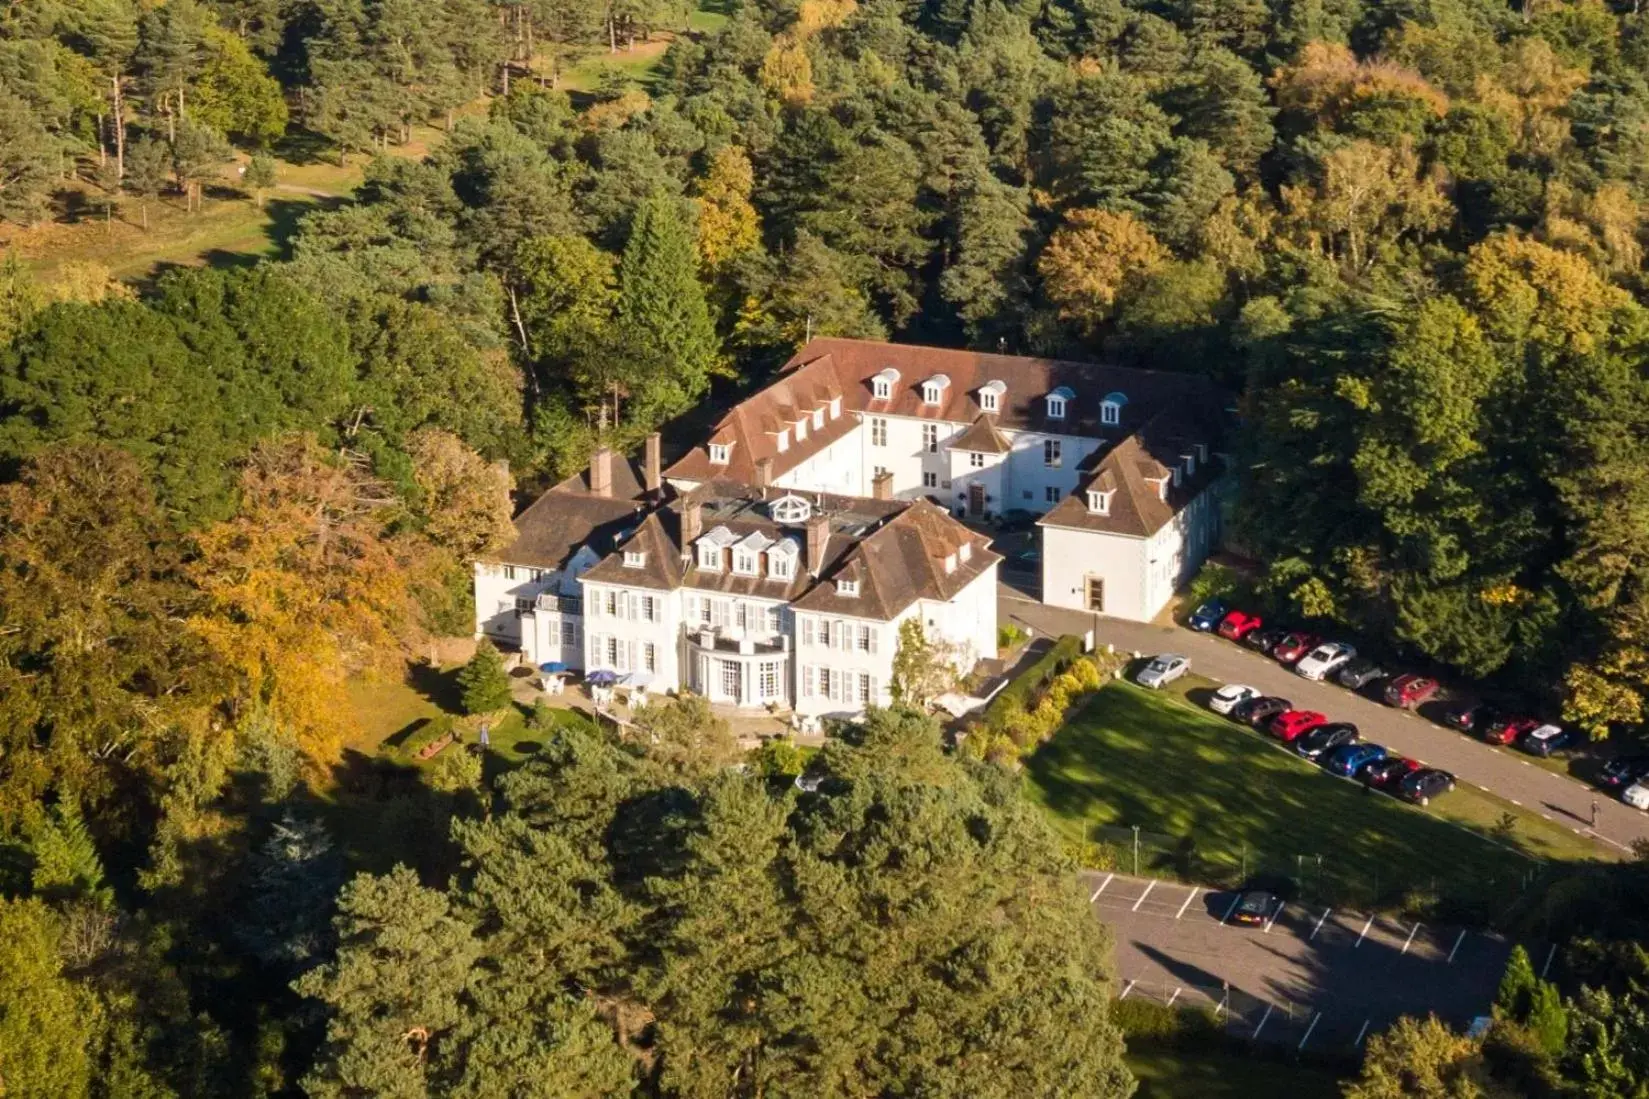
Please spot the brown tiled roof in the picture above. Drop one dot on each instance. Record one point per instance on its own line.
(847, 366)
(901, 562)
(982, 436)
(553, 527)
(1126, 471)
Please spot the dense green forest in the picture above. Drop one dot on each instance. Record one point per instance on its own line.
(1409, 236)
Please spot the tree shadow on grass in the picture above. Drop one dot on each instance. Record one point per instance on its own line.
(436, 686)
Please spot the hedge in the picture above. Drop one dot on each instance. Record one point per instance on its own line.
(1148, 1022)
(1019, 694)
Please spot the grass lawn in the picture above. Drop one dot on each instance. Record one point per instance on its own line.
(1136, 757)
(1181, 1074)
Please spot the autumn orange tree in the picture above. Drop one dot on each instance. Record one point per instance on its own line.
(302, 587)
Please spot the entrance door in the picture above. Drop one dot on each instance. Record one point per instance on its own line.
(976, 500)
(1096, 594)
(732, 681)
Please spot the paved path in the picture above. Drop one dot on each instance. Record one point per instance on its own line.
(1503, 771)
(1313, 976)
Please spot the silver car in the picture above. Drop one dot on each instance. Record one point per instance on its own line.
(1163, 670)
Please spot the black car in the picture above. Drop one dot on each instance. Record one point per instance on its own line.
(1622, 771)
(1264, 640)
(1384, 774)
(1015, 519)
(1325, 738)
(1469, 717)
(1254, 907)
(1260, 711)
(1425, 784)
(1359, 673)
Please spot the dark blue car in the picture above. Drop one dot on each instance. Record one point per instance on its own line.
(1349, 759)
(1207, 616)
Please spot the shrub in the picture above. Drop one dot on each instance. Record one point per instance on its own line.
(1217, 581)
(426, 734)
(1008, 636)
(1148, 1022)
(484, 682)
(778, 758)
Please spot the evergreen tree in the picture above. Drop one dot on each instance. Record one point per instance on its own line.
(663, 313)
(484, 683)
(294, 880)
(66, 863)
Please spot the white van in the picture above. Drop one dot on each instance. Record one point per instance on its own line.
(1636, 795)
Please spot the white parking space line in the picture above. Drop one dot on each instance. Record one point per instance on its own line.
(1101, 888)
(1410, 939)
(1319, 926)
(1187, 904)
(1263, 1019)
(1308, 1031)
(1127, 989)
(1359, 1039)
(1273, 921)
(1456, 947)
(1232, 909)
(1175, 996)
(1362, 933)
(1150, 885)
(1550, 954)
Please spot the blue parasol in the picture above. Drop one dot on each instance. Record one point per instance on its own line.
(552, 666)
(601, 678)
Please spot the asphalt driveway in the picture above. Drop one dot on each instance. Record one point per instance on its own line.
(1503, 771)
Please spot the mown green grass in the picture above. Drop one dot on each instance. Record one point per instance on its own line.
(1182, 1074)
(1155, 760)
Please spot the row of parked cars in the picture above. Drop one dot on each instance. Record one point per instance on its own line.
(1318, 659)
(1335, 745)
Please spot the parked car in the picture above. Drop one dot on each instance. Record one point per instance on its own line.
(1239, 624)
(1350, 759)
(1293, 647)
(1636, 795)
(1259, 712)
(1254, 907)
(1547, 739)
(1290, 725)
(1163, 670)
(1266, 639)
(1232, 695)
(1622, 771)
(1408, 691)
(1207, 616)
(1509, 730)
(1324, 660)
(1358, 673)
(1325, 738)
(1385, 774)
(1016, 519)
(1423, 785)
(1469, 717)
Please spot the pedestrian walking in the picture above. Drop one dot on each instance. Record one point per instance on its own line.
(1594, 814)
(486, 739)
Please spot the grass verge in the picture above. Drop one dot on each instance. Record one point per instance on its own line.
(1217, 802)
(1214, 1074)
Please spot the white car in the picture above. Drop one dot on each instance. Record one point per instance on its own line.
(1636, 795)
(1230, 696)
(1325, 660)
(1163, 670)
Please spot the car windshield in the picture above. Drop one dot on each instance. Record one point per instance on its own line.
(1208, 610)
(1159, 665)
(1255, 902)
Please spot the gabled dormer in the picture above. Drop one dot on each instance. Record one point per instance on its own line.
(1059, 402)
(1099, 500)
(991, 394)
(721, 451)
(882, 383)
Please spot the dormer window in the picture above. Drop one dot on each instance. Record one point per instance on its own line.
(950, 563)
(781, 560)
(1202, 453)
(933, 390)
(1110, 408)
(709, 557)
(635, 559)
(1099, 502)
(966, 551)
(801, 430)
(990, 396)
(881, 385)
(1174, 473)
(847, 589)
(719, 453)
(745, 563)
(1058, 400)
(1189, 461)
(818, 418)
(784, 440)
(835, 408)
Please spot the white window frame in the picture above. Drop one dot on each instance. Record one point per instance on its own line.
(781, 566)
(930, 480)
(784, 440)
(1099, 502)
(931, 394)
(818, 418)
(1053, 453)
(987, 400)
(976, 460)
(720, 453)
(1056, 408)
(1050, 494)
(1110, 413)
(930, 438)
(878, 431)
(881, 388)
(745, 563)
(801, 429)
(709, 557)
(847, 589)
(635, 559)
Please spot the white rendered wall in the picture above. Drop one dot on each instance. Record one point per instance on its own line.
(665, 633)
(1070, 556)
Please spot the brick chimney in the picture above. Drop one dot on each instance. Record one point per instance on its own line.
(881, 485)
(692, 522)
(653, 464)
(818, 534)
(764, 474)
(601, 472)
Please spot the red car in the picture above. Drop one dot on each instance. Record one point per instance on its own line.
(1509, 730)
(1291, 648)
(1388, 773)
(1290, 725)
(1239, 624)
(1408, 691)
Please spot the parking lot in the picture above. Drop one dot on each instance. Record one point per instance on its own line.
(1311, 977)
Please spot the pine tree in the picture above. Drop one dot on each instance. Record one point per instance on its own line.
(66, 863)
(294, 879)
(484, 682)
(663, 313)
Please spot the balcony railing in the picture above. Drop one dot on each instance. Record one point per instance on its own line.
(734, 641)
(565, 604)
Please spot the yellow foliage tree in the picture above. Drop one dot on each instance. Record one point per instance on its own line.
(816, 15)
(787, 71)
(1364, 194)
(1092, 258)
(466, 499)
(1327, 80)
(1529, 92)
(1422, 1059)
(1533, 291)
(728, 225)
(301, 588)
